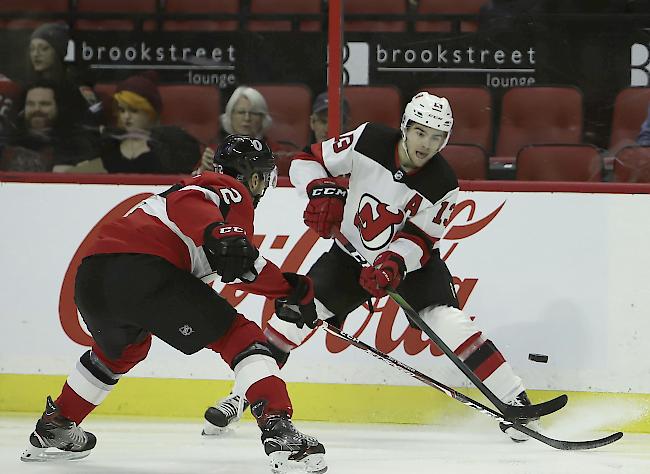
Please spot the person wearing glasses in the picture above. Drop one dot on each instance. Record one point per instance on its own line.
(247, 113)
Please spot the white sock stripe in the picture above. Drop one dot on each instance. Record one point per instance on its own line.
(90, 377)
(505, 384)
(253, 369)
(88, 386)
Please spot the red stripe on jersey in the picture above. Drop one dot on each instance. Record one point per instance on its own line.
(278, 339)
(417, 240)
(316, 155)
(488, 367)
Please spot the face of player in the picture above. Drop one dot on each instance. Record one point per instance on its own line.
(40, 108)
(246, 121)
(133, 119)
(41, 54)
(259, 183)
(422, 143)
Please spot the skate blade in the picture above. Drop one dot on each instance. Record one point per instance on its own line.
(212, 431)
(312, 463)
(34, 454)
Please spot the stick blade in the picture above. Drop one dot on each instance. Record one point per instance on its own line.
(582, 445)
(537, 410)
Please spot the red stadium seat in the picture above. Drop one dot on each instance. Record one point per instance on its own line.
(472, 110)
(448, 7)
(468, 161)
(194, 108)
(290, 107)
(375, 7)
(9, 89)
(285, 7)
(206, 7)
(23, 8)
(537, 115)
(632, 165)
(630, 110)
(381, 104)
(122, 7)
(571, 162)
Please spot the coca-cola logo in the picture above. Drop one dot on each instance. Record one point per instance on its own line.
(462, 225)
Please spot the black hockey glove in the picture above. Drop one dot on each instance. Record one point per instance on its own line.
(298, 306)
(229, 252)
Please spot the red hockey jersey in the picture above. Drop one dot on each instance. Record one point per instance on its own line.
(171, 225)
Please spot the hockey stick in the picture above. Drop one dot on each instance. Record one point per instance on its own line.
(555, 443)
(509, 411)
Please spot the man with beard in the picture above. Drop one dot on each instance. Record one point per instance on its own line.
(46, 134)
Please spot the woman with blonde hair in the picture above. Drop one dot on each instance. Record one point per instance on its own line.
(140, 144)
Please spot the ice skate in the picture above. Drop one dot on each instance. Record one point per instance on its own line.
(288, 449)
(532, 423)
(56, 438)
(225, 413)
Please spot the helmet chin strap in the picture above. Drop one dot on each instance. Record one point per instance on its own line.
(406, 150)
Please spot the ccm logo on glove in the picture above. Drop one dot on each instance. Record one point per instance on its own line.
(230, 253)
(324, 212)
(226, 230)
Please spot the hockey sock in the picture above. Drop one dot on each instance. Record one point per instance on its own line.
(269, 396)
(257, 377)
(93, 378)
(86, 387)
(481, 355)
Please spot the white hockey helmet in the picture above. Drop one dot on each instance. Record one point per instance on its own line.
(428, 110)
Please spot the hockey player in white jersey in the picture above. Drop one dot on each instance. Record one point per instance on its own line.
(394, 210)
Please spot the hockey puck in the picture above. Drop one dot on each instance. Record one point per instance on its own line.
(538, 358)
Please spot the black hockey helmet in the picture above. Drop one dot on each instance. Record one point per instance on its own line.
(241, 156)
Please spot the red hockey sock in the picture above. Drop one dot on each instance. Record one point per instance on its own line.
(273, 392)
(72, 406)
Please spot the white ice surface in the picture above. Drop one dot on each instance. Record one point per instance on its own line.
(476, 445)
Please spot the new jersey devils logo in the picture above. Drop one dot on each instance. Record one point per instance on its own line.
(376, 223)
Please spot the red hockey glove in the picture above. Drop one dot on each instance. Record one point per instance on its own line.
(298, 306)
(387, 271)
(229, 251)
(325, 209)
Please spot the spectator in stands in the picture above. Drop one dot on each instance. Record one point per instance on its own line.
(247, 113)
(318, 123)
(644, 135)
(47, 135)
(139, 144)
(46, 60)
(318, 120)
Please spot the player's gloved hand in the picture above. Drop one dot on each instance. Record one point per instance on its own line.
(324, 212)
(298, 306)
(229, 252)
(387, 271)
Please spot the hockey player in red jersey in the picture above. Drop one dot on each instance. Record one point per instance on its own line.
(400, 196)
(148, 273)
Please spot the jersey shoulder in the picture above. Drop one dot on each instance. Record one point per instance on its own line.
(434, 180)
(218, 183)
(378, 142)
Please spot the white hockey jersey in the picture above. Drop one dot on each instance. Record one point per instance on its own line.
(386, 208)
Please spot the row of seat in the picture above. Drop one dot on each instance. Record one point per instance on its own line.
(556, 120)
(389, 15)
(578, 162)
